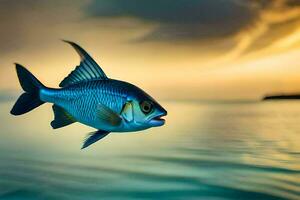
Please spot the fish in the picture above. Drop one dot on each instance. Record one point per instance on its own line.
(89, 97)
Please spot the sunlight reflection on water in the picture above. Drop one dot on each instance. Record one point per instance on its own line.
(205, 151)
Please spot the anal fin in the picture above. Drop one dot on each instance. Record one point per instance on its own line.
(61, 117)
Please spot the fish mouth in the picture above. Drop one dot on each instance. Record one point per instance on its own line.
(158, 120)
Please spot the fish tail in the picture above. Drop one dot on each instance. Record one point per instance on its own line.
(30, 99)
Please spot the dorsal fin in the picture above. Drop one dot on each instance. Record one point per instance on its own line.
(87, 70)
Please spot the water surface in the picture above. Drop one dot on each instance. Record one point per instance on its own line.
(205, 151)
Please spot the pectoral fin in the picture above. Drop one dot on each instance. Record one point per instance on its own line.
(94, 137)
(108, 116)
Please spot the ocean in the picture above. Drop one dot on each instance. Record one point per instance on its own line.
(209, 151)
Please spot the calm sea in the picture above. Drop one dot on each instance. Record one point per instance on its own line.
(205, 151)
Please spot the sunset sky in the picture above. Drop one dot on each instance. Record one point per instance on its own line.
(174, 49)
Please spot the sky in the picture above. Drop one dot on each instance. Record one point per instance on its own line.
(173, 49)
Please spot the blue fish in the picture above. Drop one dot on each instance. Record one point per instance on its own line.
(88, 96)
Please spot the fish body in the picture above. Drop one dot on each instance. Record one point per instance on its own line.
(82, 100)
(88, 96)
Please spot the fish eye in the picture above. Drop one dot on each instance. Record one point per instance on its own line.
(146, 107)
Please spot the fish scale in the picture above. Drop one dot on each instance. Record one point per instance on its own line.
(81, 100)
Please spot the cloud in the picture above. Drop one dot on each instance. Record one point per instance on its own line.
(28, 23)
(181, 19)
(272, 25)
(293, 3)
(247, 24)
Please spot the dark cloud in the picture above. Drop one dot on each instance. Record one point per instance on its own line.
(293, 3)
(181, 19)
(269, 3)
